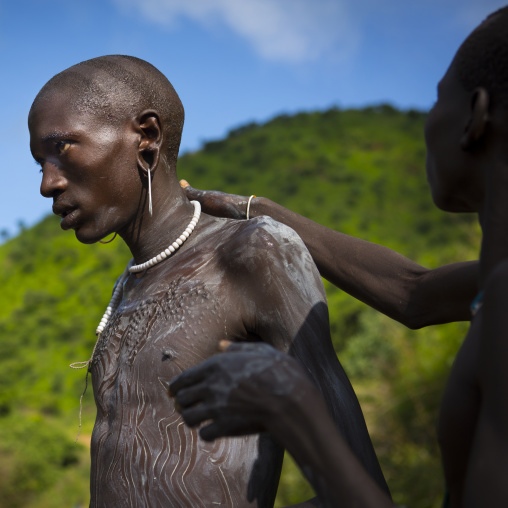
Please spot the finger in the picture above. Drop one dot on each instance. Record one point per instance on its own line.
(212, 431)
(190, 377)
(224, 344)
(229, 427)
(190, 192)
(248, 347)
(195, 415)
(189, 396)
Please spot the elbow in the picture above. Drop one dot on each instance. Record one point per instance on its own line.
(414, 322)
(407, 310)
(422, 315)
(418, 315)
(420, 309)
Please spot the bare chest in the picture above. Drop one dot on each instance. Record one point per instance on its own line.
(169, 319)
(159, 330)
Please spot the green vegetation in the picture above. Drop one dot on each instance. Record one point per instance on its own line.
(358, 171)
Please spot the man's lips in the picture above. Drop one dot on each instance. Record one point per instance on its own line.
(67, 213)
(62, 209)
(70, 219)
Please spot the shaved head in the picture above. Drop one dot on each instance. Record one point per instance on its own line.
(115, 88)
(482, 60)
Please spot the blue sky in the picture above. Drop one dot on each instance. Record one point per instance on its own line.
(231, 61)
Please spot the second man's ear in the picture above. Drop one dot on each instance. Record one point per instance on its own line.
(478, 120)
(149, 126)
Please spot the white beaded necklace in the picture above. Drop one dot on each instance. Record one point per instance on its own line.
(117, 293)
(174, 246)
(147, 264)
(131, 268)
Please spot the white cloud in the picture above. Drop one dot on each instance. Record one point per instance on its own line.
(293, 31)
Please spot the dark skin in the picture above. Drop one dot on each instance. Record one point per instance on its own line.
(467, 168)
(232, 280)
(380, 277)
(225, 393)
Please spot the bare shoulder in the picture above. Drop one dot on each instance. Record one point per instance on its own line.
(272, 270)
(274, 280)
(262, 243)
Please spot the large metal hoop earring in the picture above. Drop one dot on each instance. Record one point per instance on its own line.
(108, 241)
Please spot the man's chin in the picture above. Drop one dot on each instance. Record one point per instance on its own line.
(86, 237)
(453, 204)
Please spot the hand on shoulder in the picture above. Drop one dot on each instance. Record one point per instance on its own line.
(216, 203)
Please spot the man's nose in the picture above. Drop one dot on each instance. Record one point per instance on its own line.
(53, 180)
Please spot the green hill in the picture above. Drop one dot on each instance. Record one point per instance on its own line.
(358, 171)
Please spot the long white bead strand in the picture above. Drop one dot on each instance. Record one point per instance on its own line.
(113, 304)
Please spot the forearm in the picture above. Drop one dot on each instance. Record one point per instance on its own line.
(381, 277)
(305, 428)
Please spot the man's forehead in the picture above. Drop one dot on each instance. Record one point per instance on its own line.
(51, 107)
(57, 116)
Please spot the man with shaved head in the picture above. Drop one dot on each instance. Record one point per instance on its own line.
(106, 134)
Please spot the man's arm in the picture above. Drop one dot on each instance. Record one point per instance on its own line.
(282, 300)
(485, 483)
(376, 275)
(253, 388)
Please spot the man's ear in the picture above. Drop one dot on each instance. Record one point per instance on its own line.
(149, 126)
(478, 120)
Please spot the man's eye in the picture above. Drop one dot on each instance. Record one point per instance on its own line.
(62, 147)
